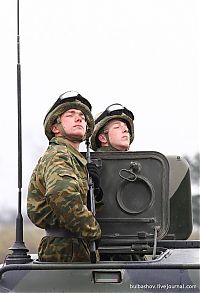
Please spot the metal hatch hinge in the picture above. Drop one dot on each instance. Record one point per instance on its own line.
(156, 229)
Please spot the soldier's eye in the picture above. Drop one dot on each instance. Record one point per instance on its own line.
(83, 117)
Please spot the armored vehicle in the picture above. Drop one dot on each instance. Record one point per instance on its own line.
(146, 221)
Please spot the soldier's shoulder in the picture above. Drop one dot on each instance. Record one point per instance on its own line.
(56, 152)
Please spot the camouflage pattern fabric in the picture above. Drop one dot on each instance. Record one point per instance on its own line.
(57, 196)
(107, 149)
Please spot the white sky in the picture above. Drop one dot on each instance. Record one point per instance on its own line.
(144, 54)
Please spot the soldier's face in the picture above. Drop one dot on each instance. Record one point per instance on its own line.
(118, 134)
(73, 122)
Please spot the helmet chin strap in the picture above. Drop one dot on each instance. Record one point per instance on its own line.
(70, 137)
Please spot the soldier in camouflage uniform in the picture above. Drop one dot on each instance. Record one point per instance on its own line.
(114, 129)
(57, 193)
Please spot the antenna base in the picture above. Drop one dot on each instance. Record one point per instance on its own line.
(19, 254)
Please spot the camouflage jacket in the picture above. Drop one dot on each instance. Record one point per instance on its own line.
(57, 193)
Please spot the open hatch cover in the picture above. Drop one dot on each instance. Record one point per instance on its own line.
(136, 196)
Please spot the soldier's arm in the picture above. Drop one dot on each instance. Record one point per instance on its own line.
(63, 195)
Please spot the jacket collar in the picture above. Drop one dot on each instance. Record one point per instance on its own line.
(62, 141)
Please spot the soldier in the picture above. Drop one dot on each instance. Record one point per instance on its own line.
(114, 129)
(57, 193)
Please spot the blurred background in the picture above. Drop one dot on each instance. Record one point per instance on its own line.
(144, 54)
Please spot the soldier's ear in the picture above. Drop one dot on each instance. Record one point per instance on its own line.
(55, 128)
(102, 138)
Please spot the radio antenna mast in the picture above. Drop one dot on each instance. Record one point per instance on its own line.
(19, 250)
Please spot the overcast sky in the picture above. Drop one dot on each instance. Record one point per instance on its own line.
(144, 54)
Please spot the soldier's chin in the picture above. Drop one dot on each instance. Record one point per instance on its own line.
(126, 144)
(123, 146)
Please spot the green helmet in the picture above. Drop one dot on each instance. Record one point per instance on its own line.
(66, 101)
(114, 111)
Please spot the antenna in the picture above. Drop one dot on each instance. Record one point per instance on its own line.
(93, 255)
(19, 254)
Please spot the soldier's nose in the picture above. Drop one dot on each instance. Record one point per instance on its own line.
(125, 129)
(78, 118)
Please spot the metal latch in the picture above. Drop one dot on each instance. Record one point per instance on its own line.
(156, 229)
